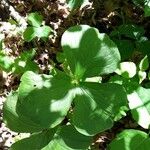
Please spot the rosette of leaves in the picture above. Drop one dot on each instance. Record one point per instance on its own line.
(35, 28)
(42, 102)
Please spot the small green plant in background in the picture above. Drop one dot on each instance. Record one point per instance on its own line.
(18, 65)
(145, 4)
(35, 28)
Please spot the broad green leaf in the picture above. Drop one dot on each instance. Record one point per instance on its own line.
(29, 33)
(144, 64)
(74, 4)
(131, 140)
(43, 31)
(66, 138)
(126, 69)
(96, 106)
(35, 19)
(139, 103)
(35, 142)
(88, 52)
(44, 99)
(13, 120)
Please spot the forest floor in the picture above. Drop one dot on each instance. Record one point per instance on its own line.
(105, 16)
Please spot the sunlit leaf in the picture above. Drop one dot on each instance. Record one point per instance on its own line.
(88, 52)
(139, 103)
(144, 64)
(44, 99)
(35, 19)
(6, 62)
(74, 4)
(126, 69)
(131, 140)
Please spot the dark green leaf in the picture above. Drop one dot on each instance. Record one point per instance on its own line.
(125, 47)
(96, 105)
(129, 30)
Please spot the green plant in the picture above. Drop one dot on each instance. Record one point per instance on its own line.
(18, 65)
(131, 139)
(35, 28)
(63, 110)
(138, 96)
